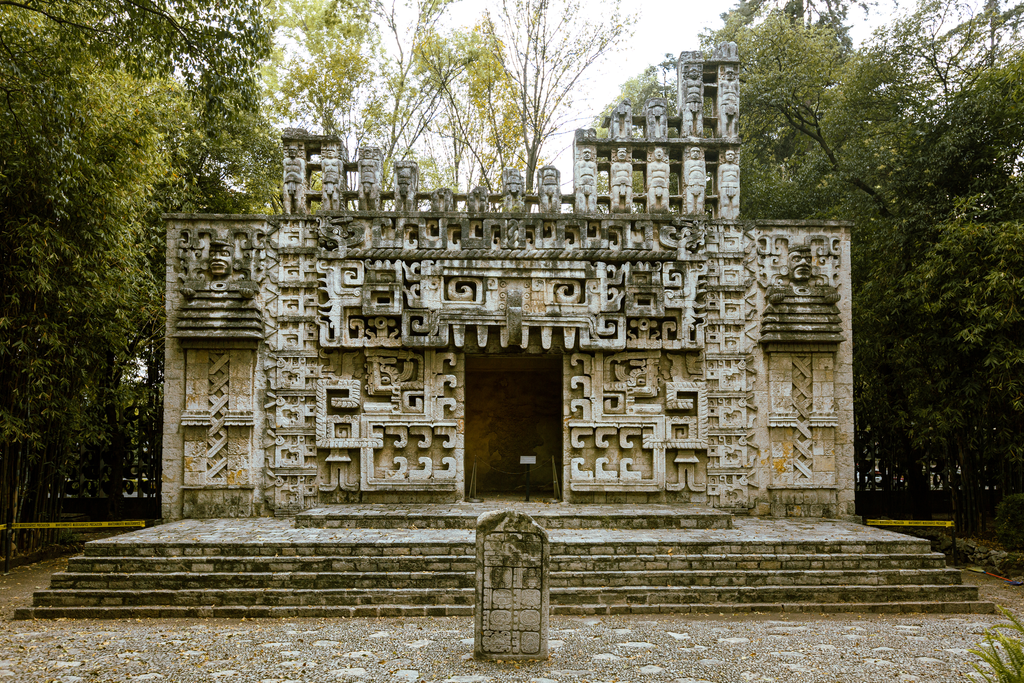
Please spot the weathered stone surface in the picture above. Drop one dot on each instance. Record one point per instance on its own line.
(512, 587)
(320, 356)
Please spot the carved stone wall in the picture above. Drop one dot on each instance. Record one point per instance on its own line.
(672, 388)
(319, 356)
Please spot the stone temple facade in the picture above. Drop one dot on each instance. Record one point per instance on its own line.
(635, 337)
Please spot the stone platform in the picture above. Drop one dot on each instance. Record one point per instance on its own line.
(397, 565)
(559, 516)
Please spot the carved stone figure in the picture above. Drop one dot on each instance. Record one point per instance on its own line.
(729, 103)
(549, 189)
(219, 302)
(333, 167)
(479, 200)
(622, 181)
(798, 309)
(407, 184)
(657, 118)
(696, 181)
(442, 199)
(369, 178)
(220, 260)
(726, 52)
(622, 121)
(294, 180)
(692, 111)
(657, 181)
(729, 186)
(512, 189)
(585, 180)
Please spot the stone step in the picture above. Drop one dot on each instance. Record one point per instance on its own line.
(753, 577)
(464, 516)
(662, 597)
(580, 563)
(242, 597)
(139, 581)
(679, 545)
(312, 563)
(242, 611)
(266, 567)
(378, 548)
(682, 595)
(565, 543)
(926, 607)
(466, 563)
(399, 611)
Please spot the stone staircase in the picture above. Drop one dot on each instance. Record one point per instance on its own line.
(421, 562)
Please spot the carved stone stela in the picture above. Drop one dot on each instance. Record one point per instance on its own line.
(319, 356)
(512, 592)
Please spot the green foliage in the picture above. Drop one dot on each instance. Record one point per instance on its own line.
(545, 49)
(655, 81)
(113, 112)
(1010, 522)
(477, 126)
(361, 70)
(322, 71)
(918, 137)
(1003, 652)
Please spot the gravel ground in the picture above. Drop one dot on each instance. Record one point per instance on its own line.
(719, 649)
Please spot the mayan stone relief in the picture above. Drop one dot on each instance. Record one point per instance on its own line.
(320, 356)
(512, 587)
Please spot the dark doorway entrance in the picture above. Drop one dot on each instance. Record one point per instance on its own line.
(513, 409)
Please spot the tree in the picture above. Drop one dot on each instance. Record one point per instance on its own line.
(477, 121)
(322, 72)
(357, 70)
(657, 80)
(917, 136)
(90, 88)
(546, 48)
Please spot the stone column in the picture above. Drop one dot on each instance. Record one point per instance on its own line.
(512, 563)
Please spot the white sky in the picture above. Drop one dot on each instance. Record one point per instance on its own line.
(663, 26)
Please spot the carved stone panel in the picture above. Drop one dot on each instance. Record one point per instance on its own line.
(512, 587)
(803, 420)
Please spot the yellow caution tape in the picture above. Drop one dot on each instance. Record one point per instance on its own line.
(908, 522)
(74, 525)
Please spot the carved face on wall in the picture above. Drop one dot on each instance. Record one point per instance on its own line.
(694, 153)
(622, 155)
(330, 153)
(548, 177)
(585, 155)
(659, 154)
(514, 184)
(800, 264)
(693, 74)
(730, 157)
(730, 75)
(220, 259)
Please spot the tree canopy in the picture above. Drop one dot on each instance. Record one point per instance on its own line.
(917, 136)
(114, 110)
